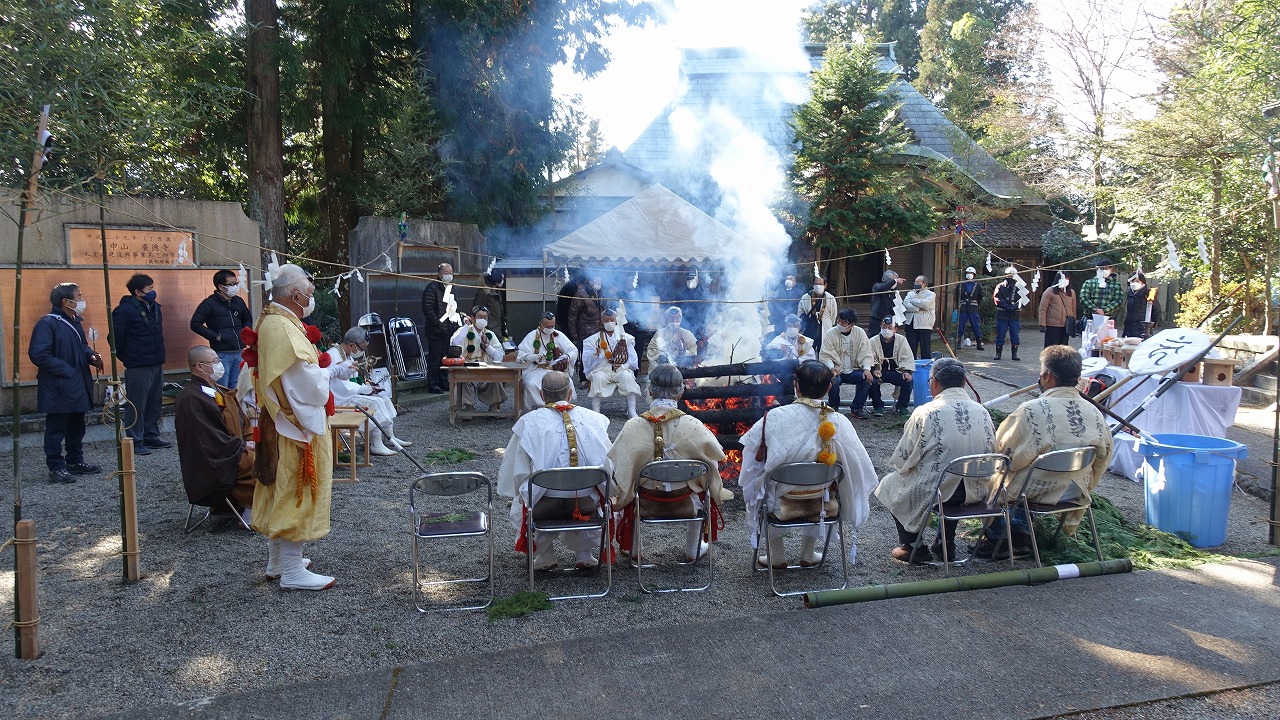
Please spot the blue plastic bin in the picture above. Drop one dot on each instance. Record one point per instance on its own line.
(920, 389)
(1188, 485)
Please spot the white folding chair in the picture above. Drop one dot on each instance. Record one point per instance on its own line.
(804, 475)
(672, 478)
(578, 480)
(454, 524)
(1070, 460)
(984, 465)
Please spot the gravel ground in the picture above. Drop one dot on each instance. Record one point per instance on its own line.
(204, 622)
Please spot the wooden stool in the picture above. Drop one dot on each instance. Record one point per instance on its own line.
(348, 424)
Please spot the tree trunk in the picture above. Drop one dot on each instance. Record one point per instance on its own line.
(265, 136)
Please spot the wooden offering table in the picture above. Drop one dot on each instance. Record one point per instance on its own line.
(506, 372)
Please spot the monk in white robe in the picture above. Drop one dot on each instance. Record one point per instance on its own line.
(666, 433)
(342, 373)
(1057, 420)
(951, 425)
(295, 456)
(544, 349)
(790, 434)
(480, 344)
(791, 343)
(672, 343)
(610, 362)
(541, 440)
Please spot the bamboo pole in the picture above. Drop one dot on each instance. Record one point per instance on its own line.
(129, 512)
(1030, 576)
(129, 565)
(26, 624)
(28, 199)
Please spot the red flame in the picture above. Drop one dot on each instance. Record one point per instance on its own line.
(731, 466)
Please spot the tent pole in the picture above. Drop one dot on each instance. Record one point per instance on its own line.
(544, 281)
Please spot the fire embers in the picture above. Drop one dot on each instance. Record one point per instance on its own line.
(729, 411)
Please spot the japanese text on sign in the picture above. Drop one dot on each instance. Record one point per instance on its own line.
(148, 247)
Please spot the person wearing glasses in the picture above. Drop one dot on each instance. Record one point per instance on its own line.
(220, 318)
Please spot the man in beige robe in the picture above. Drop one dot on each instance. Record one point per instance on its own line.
(1057, 420)
(672, 343)
(666, 433)
(295, 458)
(951, 425)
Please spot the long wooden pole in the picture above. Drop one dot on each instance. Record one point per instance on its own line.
(124, 458)
(28, 199)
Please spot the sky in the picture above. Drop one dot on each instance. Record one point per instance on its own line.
(644, 73)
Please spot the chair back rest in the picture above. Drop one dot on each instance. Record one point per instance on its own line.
(1058, 461)
(449, 484)
(806, 473)
(674, 471)
(982, 465)
(569, 478)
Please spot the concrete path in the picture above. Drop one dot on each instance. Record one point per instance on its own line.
(1090, 643)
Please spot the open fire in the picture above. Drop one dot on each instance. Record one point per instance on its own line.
(729, 411)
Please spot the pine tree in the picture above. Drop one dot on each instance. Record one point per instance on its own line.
(847, 136)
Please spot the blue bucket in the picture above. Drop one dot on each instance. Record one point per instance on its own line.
(920, 390)
(1188, 485)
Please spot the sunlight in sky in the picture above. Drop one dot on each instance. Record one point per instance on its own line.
(644, 73)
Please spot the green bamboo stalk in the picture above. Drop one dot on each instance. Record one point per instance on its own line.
(1030, 576)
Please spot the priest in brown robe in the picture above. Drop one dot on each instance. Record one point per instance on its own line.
(214, 450)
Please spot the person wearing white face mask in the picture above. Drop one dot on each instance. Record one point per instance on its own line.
(479, 344)
(791, 343)
(215, 446)
(609, 359)
(1140, 298)
(786, 301)
(64, 382)
(891, 362)
(817, 310)
(295, 454)
(1102, 294)
(220, 318)
(1058, 312)
(437, 326)
(543, 350)
(672, 343)
(969, 307)
(347, 391)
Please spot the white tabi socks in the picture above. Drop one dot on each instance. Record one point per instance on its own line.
(296, 576)
(274, 566)
(395, 441)
(809, 555)
(595, 403)
(696, 547)
(376, 445)
(631, 406)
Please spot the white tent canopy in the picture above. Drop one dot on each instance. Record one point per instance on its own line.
(654, 226)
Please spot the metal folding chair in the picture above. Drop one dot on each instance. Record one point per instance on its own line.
(671, 476)
(1058, 461)
(406, 348)
(811, 475)
(571, 479)
(984, 465)
(190, 527)
(444, 525)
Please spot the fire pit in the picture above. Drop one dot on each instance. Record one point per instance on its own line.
(730, 409)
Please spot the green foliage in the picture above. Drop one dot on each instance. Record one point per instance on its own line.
(847, 136)
(138, 90)
(519, 605)
(899, 21)
(1146, 546)
(449, 456)
(1251, 301)
(1064, 248)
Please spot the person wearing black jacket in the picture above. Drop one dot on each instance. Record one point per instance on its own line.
(219, 319)
(882, 300)
(64, 382)
(436, 328)
(139, 343)
(969, 307)
(1005, 297)
(1135, 313)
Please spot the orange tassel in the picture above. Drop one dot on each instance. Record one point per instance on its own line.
(308, 472)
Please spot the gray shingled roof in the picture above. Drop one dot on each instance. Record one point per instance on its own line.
(724, 87)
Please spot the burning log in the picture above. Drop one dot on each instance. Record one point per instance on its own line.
(748, 415)
(730, 442)
(783, 369)
(737, 391)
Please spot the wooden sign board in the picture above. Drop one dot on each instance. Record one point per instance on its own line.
(131, 247)
(179, 292)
